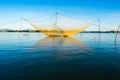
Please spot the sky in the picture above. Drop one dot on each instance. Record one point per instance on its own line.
(108, 11)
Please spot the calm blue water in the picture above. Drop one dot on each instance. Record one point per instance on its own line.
(33, 56)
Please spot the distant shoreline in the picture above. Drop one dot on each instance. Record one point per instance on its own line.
(39, 31)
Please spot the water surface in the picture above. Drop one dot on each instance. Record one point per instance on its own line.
(33, 56)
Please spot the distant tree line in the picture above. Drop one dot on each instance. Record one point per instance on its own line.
(6, 30)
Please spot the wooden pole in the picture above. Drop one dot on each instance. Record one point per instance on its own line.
(56, 16)
(99, 32)
(20, 30)
(117, 34)
(56, 20)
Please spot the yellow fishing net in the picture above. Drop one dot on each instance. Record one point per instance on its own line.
(60, 25)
